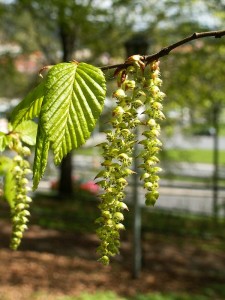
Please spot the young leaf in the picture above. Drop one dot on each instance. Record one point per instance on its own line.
(74, 99)
(29, 107)
(41, 156)
(27, 131)
(3, 141)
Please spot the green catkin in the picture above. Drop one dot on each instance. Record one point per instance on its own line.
(151, 144)
(20, 210)
(117, 154)
(138, 89)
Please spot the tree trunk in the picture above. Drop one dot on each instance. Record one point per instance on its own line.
(65, 180)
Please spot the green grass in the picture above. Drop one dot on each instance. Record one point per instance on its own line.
(193, 155)
(109, 295)
(153, 296)
(96, 296)
(178, 155)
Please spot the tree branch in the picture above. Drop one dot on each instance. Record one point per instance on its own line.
(165, 51)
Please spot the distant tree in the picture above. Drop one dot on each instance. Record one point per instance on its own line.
(63, 26)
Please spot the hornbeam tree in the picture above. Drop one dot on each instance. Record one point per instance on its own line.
(68, 102)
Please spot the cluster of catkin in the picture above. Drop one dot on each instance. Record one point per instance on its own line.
(21, 202)
(138, 89)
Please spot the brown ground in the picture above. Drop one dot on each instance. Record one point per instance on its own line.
(57, 263)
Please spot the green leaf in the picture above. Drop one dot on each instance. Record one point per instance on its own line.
(73, 101)
(3, 141)
(27, 131)
(41, 156)
(30, 106)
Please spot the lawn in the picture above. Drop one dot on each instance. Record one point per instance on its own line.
(113, 296)
(178, 155)
(193, 156)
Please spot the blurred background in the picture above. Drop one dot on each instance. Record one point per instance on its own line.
(175, 250)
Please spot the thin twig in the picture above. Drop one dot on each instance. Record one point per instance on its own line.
(165, 51)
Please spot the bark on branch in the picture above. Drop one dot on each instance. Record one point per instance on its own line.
(166, 50)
